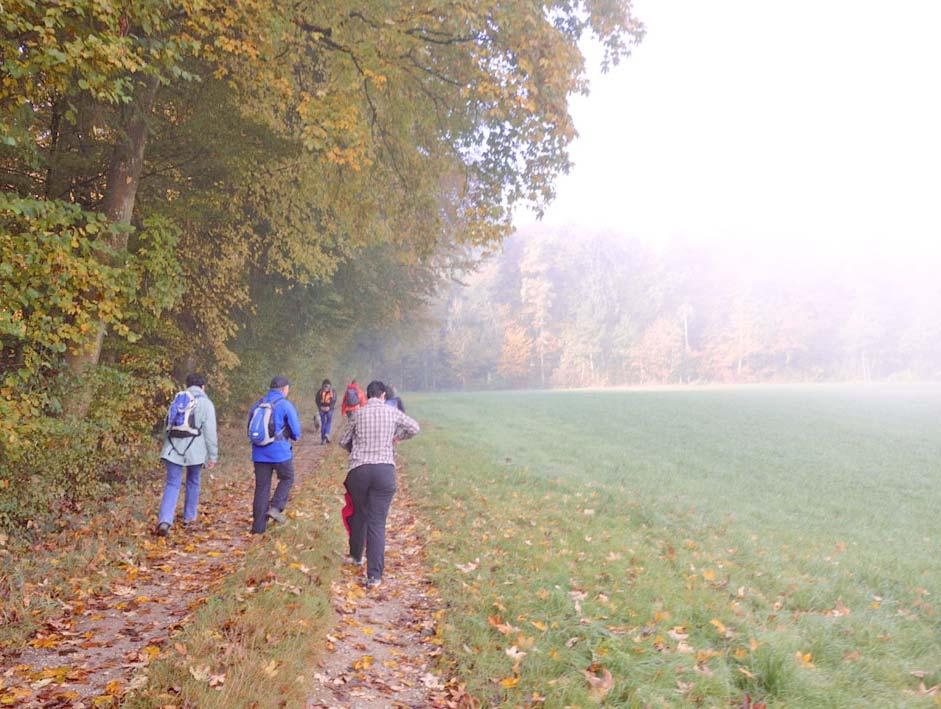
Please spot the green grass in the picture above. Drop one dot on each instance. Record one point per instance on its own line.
(748, 519)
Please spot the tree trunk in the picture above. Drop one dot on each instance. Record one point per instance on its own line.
(542, 360)
(127, 162)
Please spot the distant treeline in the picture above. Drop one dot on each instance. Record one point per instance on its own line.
(562, 308)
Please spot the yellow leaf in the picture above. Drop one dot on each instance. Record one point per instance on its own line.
(509, 682)
(114, 688)
(150, 652)
(363, 663)
(15, 696)
(271, 669)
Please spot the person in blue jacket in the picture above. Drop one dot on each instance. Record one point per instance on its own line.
(274, 457)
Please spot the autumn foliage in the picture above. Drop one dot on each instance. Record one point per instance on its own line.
(209, 185)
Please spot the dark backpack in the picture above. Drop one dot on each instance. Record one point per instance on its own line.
(351, 397)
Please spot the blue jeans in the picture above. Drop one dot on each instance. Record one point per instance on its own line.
(171, 491)
(326, 420)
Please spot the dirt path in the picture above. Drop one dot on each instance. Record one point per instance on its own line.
(384, 649)
(96, 647)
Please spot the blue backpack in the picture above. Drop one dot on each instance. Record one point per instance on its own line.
(261, 425)
(181, 416)
(181, 419)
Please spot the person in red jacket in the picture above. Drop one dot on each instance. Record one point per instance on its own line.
(353, 398)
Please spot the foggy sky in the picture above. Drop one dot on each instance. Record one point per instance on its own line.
(812, 121)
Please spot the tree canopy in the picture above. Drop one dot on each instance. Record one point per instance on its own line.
(190, 183)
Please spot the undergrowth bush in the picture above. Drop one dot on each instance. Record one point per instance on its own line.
(66, 460)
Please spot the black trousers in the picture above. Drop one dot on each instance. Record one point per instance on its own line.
(372, 488)
(261, 503)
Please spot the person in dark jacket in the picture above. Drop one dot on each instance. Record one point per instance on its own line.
(393, 398)
(276, 457)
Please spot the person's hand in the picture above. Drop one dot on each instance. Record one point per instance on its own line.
(211, 464)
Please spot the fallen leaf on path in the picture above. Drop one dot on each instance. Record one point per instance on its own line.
(678, 633)
(363, 663)
(804, 659)
(501, 627)
(114, 688)
(924, 691)
(720, 628)
(200, 674)
(469, 566)
(431, 681)
(600, 681)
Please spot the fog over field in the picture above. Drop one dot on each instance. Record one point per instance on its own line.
(753, 197)
(565, 307)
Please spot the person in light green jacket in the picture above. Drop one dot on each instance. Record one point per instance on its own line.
(189, 441)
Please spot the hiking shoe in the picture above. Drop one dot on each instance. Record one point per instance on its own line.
(373, 583)
(354, 561)
(163, 529)
(189, 524)
(277, 515)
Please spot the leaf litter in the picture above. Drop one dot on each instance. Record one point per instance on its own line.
(385, 648)
(99, 648)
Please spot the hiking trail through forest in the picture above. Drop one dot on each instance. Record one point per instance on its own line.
(384, 649)
(96, 648)
(381, 653)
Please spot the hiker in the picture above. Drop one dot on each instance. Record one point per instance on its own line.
(370, 481)
(272, 425)
(189, 441)
(353, 398)
(326, 403)
(393, 399)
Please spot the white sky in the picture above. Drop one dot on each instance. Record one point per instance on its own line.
(810, 120)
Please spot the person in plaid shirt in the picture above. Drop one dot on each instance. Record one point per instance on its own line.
(370, 482)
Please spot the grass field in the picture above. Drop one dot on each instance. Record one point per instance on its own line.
(699, 545)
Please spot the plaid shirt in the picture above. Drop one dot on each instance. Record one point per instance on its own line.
(369, 436)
